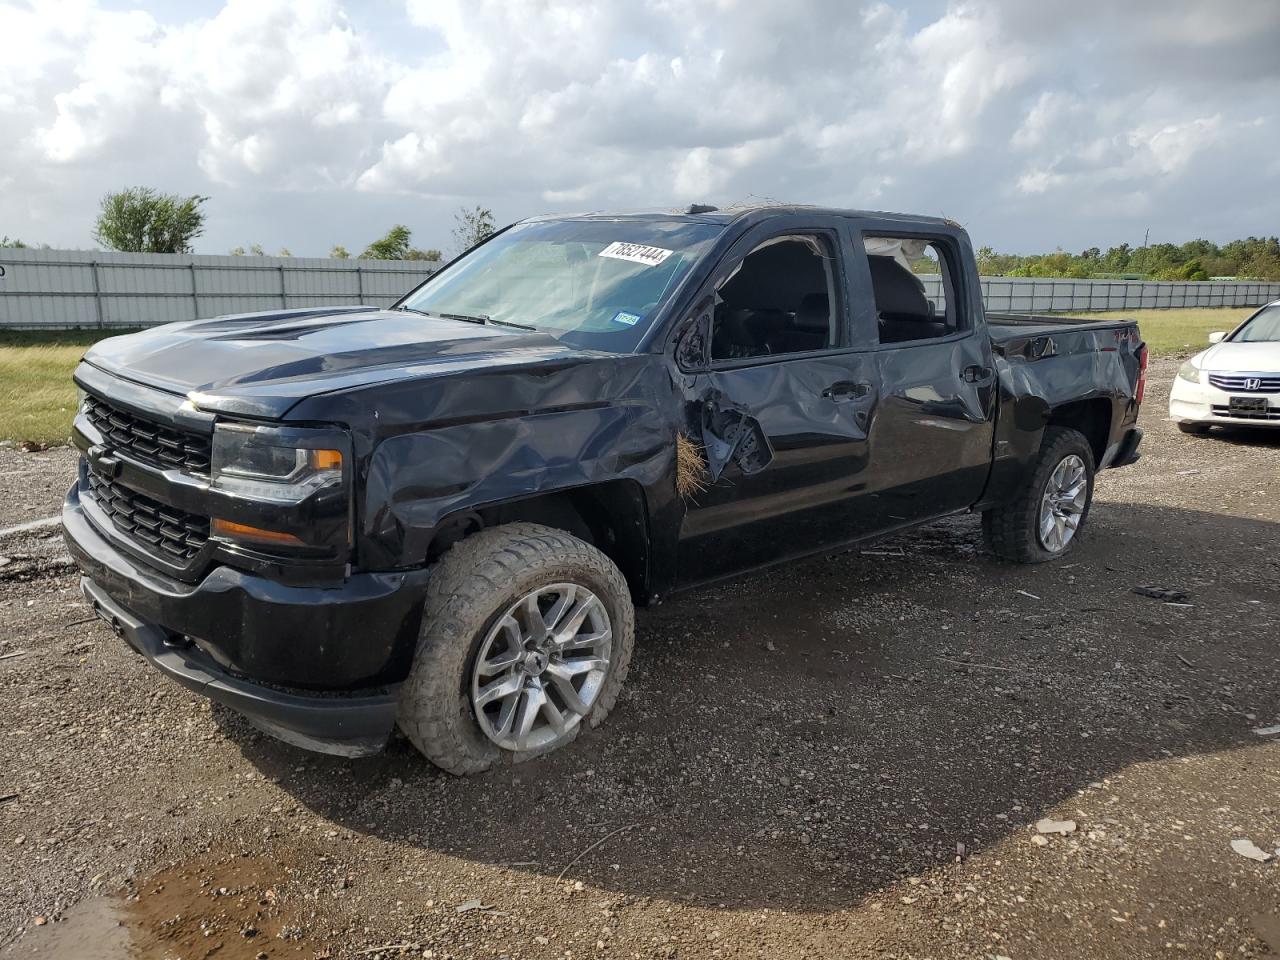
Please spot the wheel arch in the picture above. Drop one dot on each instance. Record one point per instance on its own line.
(1091, 417)
(611, 515)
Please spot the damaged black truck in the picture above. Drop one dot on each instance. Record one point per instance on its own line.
(439, 516)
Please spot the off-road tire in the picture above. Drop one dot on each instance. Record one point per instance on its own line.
(469, 588)
(1010, 530)
(1196, 428)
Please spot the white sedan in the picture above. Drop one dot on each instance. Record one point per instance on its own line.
(1235, 381)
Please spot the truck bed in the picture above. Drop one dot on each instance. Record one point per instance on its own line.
(1009, 326)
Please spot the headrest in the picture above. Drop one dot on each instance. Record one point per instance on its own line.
(814, 312)
(769, 277)
(898, 291)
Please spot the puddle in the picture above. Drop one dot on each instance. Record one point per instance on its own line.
(93, 930)
(229, 907)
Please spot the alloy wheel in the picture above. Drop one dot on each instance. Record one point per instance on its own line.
(541, 667)
(1063, 503)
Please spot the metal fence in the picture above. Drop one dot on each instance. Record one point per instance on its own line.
(62, 289)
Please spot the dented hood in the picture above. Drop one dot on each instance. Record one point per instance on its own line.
(262, 364)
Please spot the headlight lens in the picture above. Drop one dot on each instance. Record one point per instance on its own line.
(267, 463)
(1189, 372)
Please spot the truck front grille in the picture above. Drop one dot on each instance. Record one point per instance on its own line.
(147, 441)
(164, 530)
(1246, 382)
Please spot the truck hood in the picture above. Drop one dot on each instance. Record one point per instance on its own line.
(262, 364)
(1260, 357)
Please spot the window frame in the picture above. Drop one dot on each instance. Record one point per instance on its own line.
(743, 247)
(947, 246)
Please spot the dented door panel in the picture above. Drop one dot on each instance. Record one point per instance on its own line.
(931, 439)
(786, 456)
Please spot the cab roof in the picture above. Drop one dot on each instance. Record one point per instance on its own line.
(754, 213)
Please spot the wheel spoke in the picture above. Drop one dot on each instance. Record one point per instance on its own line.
(530, 707)
(563, 682)
(563, 602)
(505, 687)
(1046, 523)
(554, 716)
(573, 622)
(585, 641)
(572, 668)
(506, 715)
(535, 626)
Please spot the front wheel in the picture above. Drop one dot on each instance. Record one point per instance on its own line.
(1044, 520)
(1196, 428)
(526, 636)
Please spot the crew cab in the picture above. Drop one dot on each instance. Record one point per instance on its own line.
(440, 516)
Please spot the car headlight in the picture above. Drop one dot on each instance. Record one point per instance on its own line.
(1189, 372)
(279, 464)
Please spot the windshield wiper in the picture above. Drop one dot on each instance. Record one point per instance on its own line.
(481, 318)
(486, 319)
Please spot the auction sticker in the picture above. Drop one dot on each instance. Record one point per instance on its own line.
(636, 253)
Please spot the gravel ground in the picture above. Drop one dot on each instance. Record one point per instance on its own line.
(845, 757)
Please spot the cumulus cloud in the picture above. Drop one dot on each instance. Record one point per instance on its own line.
(1031, 127)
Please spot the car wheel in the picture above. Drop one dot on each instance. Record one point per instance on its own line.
(1044, 520)
(526, 638)
(1196, 428)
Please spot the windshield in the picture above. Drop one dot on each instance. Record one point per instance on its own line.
(1264, 327)
(596, 284)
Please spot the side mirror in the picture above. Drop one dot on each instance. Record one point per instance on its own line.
(1217, 336)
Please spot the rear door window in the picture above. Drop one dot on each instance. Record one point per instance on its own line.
(913, 285)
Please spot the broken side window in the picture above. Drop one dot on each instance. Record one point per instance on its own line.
(779, 300)
(913, 286)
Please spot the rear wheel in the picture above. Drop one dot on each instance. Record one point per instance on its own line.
(526, 636)
(1044, 520)
(1196, 428)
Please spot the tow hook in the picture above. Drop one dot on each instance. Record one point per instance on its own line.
(109, 619)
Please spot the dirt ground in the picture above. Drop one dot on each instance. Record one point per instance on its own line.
(843, 758)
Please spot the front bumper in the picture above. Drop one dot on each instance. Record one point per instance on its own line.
(1204, 403)
(316, 666)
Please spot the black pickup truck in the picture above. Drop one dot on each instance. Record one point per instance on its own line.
(439, 515)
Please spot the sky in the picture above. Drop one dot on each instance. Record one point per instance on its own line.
(309, 124)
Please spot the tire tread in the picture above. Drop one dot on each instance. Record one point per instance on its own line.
(466, 584)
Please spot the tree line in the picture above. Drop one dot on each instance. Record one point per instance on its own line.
(1253, 258)
(143, 220)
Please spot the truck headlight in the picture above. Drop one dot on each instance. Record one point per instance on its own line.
(1189, 372)
(279, 464)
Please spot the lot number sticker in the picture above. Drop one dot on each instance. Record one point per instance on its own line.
(636, 253)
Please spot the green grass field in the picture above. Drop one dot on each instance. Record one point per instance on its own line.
(1183, 331)
(37, 398)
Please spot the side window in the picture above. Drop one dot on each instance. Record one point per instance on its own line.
(914, 289)
(780, 299)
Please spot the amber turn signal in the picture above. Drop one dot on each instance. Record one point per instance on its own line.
(326, 459)
(243, 531)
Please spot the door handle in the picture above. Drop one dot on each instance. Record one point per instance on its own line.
(976, 373)
(846, 390)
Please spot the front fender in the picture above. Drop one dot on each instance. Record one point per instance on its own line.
(415, 481)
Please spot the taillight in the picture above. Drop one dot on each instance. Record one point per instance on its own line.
(1142, 373)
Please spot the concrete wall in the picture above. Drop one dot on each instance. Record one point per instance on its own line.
(57, 289)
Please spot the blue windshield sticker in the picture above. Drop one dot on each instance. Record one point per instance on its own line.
(627, 319)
